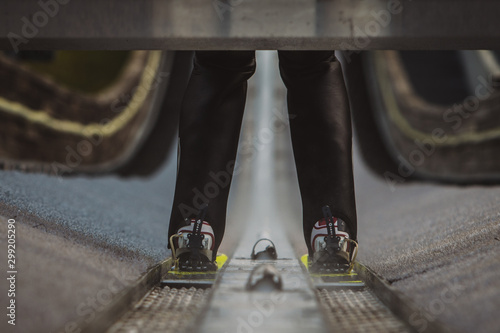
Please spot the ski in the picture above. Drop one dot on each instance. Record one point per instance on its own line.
(176, 278)
(330, 280)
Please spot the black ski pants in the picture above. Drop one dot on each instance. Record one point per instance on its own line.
(209, 129)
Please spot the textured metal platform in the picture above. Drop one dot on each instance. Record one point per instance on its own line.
(164, 309)
(350, 310)
(249, 24)
(234, 308)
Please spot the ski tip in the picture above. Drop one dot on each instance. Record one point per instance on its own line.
(220, 260)
(305, 261)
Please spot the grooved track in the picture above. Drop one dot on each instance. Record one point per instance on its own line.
(164, 309)
(358, 311)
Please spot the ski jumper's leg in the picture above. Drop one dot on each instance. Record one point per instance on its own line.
(209, 129)
(320, 124)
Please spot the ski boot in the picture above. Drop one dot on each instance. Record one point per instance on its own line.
(333, 250)
(195, 245)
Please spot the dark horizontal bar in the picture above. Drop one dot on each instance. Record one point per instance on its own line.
(249, 24)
